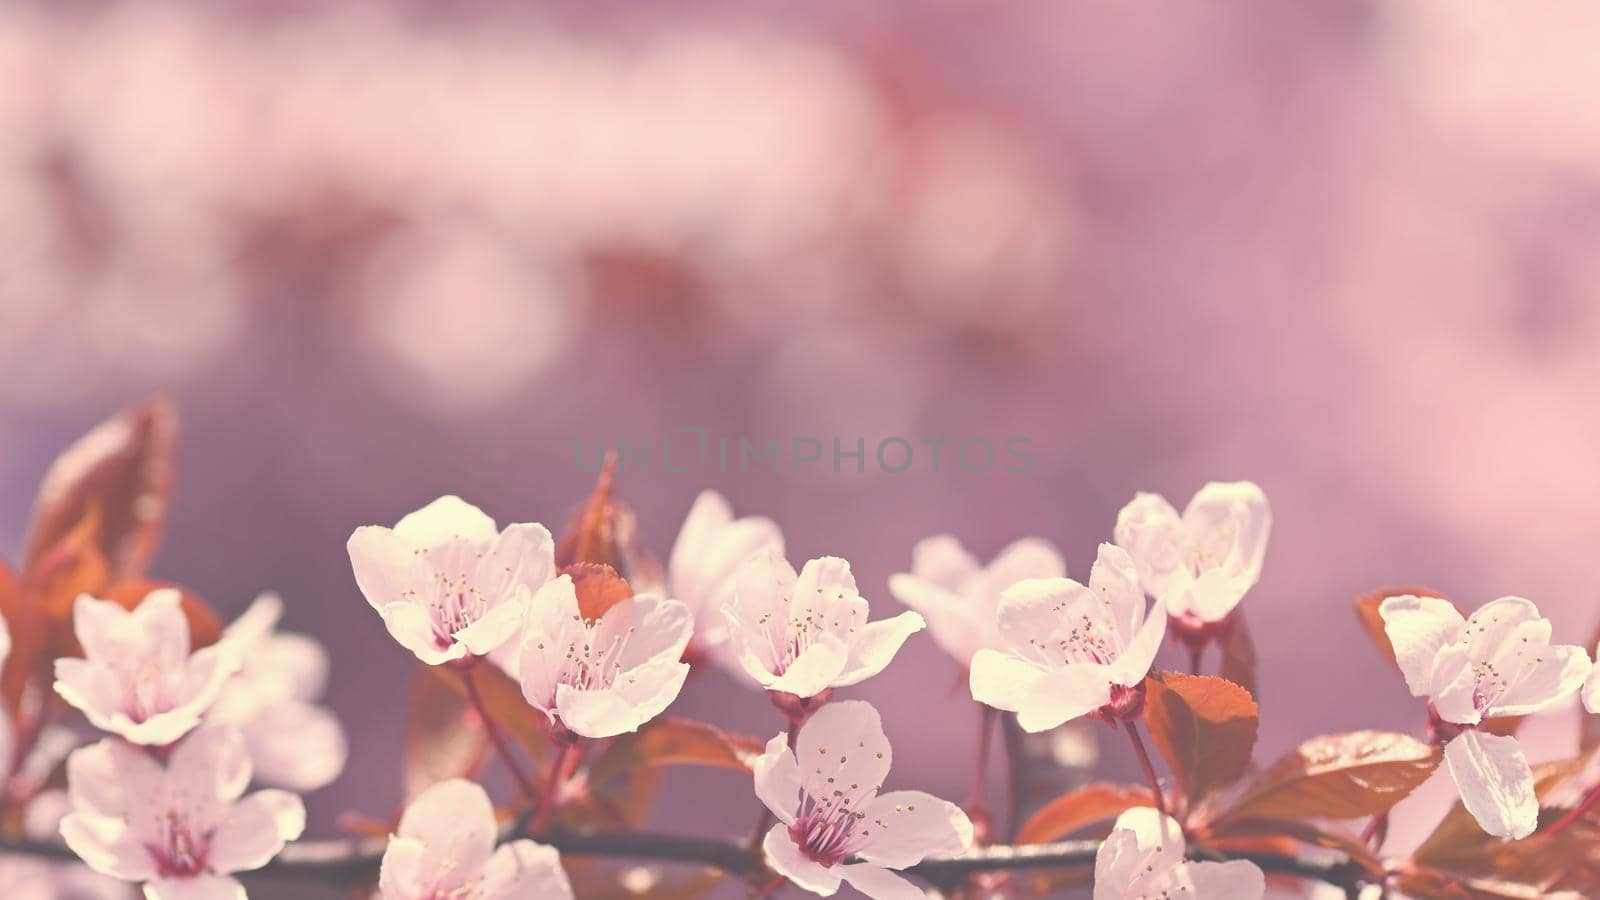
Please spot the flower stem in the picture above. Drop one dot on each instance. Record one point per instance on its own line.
(1578, 812)
(552, 787)
(979, 800)
(1196, 650)
(1144, 762)
(1377, 824)
(492, 728)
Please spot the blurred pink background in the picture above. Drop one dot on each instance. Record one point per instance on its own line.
(1348, 250)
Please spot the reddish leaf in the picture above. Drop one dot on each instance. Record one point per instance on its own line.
(623, 782)
(1367, 610)
(1428, 884)
(1076, 810)
(40, 619)
(123, 469)
(1340, 776)
(502, 698)
(444, 738)
(1204, 727)
(671, 741)
(598, 586)
(1228, 835)
(1239, 654)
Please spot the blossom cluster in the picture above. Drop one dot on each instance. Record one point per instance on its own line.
(565, 655)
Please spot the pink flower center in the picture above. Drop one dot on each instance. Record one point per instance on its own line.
(792, 635)
(588, 663)
(831, 829)
(456, 604)
(181, 852)
(145, 693)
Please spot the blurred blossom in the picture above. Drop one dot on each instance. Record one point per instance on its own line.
(458, 320)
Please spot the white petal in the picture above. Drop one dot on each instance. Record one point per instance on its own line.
(1591, 688)
(1234, 880)
(1131, 667)
(215, 760)
(636, 697)
(1418, 628)
(1493, 626)
(1150, 530)
(942, 561)
(1065, 694)
(106, 846)
(960, 625)
(825, 575)
(250, 836)
(1455, 686)
(777, 778)
(874, 645)
(1002, 680)
(296, 745)
(1215, 594)
(843, 746)
(524, 555)
(256, 623)
(1230, 522)
(444, 520)
(386, 567)
(1558, 672)
(525, 869)
(410, 625)
(454, 811)
(500, 623)
(880, 884)
(816, 669)
(787, 860)
(1495, 781)
(400, 872)
(909, 826)
(1028, 557)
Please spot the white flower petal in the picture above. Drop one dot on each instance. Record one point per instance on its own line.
(1065, 694)
(1558, 672)
(909, 826)
(296, 746)
(521, 869)
(874, 645)
(1229, 523)
(251, 835)
(446, 519)
(777, 777)
(1495, 782)
(843, 747)
(105, 846)
(386, 567)
(1153, 534)
(1418, 628)
(1131, 667)
(400, 873)
(198, 887)
(1002, 680)
(813, 671)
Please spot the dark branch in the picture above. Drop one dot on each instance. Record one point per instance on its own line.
(351, 861)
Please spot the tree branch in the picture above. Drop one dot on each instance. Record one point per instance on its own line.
(349, 861)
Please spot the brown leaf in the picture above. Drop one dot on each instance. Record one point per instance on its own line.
(1239, 653)
(40, 618)
(444, 737)
(671, 741)
(1204, 727)
(623, 783)
(598, 587)
(1428, 884)
(502, 698)
(1226, 835)
(1340, 776)
(123, 469)
(1367, 610)
(1076, 810)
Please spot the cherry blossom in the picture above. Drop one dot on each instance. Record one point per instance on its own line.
(447, 584)
(445, 848)
(1143, 859)
(808, 633)
(702, 570)
(1071, 650)
(825, 794)
(959, 596)
(137, 677)
(1498, 662)
(1203, 562)
(599, 678)
(183, 829)
(293, 742)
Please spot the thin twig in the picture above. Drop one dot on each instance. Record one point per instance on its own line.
(1144, 763)
(352, 861)
(492, 728)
